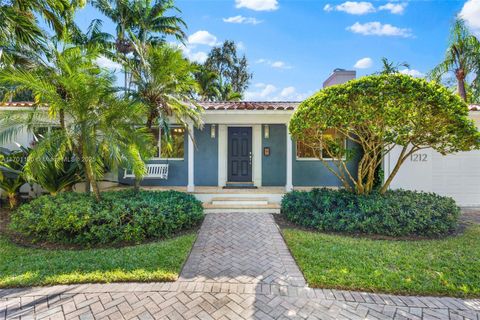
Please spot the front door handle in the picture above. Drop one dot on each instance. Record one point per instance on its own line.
(250, 157)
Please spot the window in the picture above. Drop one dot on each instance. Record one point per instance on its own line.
(40, 132)
(304, 151)
(174, 150)
(335, 145)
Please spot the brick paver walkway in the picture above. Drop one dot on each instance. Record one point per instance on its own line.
(239, 268)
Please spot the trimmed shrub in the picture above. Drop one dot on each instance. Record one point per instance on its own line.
(395, 213)
(120, 217)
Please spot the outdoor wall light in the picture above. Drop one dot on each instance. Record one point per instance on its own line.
(212, 131)
(266, 131)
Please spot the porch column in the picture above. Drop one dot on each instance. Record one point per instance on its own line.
(289, 184)
(191, 151)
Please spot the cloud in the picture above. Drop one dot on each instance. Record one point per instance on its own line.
(364, 7)
(394, 8)
(363, 63)
(471, 14)
(202, 37)
(413, 73)
(274, 64)
(352, 7)
(280, 65)
(241, 46)
(242, 20)
(269, 92)
(288, 91)
(257, 5)
(106, 63)
(198, 56)
(264, 92)
(379, 29)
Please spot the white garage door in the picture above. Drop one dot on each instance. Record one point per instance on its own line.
(456, 175)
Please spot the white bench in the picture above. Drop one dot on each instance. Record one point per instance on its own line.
(154, 171)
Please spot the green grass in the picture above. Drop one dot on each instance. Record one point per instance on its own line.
(427, 267)
(160, 261)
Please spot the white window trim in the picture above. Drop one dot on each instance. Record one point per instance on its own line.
(317, 159)
(160, 146)
(48, 126)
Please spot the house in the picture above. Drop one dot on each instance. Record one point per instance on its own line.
(456, 175)
(244, 157)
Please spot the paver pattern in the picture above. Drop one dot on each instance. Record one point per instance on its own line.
(243, 248)
(239, 268)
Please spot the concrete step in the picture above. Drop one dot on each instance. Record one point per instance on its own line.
(239, 201)
(265, 208)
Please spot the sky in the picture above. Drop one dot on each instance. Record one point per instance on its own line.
(293, 45)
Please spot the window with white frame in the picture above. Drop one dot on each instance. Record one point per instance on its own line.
(173, 150)
(308, 152)
(39, 132)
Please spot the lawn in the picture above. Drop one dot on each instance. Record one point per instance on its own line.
(426, 267)
(160, 261)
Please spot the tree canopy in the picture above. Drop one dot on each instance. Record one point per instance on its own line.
(224, 76)
(380, 112)
(462, 58)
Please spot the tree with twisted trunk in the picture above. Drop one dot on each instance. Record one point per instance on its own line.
(378, 113)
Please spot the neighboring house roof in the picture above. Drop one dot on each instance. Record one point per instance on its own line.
(17, 104)
(228, 105)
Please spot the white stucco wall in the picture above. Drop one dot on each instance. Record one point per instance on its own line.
(456, 175)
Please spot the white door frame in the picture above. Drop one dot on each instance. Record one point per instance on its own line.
(223, 153)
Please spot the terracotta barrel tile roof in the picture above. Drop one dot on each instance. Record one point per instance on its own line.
(228, 105)
(249, 105)
(17, 104)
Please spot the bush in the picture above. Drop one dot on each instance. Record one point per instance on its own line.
(395, 213)
(121, 216)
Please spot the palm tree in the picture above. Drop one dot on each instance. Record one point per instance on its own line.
(461, 58)
(390, 67)
(141, 20)
(101, 128)
(11, 174)
(208, 83)
(18, 25)
(164, 82)
(94, 37)
(151, 25)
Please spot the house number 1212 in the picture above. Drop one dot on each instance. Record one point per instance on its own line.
(418, 157)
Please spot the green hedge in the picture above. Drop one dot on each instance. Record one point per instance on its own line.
(120, 217)
(395, 213)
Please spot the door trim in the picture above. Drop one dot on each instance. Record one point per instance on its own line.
(244, 156)
(223, 153)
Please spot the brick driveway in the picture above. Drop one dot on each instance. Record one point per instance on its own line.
(239, 268)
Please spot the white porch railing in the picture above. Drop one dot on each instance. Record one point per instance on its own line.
(154, 171)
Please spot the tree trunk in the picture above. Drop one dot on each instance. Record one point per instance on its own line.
(62, 118)
(460, 75)
(92, 181)
(136, 185)
(12, 200)
(401, 159)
